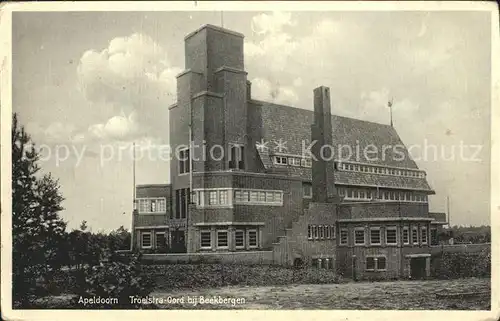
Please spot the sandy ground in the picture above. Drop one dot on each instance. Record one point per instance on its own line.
(363, 295)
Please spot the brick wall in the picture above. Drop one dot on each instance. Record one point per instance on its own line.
(250, 258)
(383, 209)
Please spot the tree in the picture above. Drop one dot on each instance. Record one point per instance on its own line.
(37, 229)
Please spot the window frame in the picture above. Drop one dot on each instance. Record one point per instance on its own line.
(375, 259)
(256, 238)
(184, 163)
(357, 229)
(423, 231)
(217, 238)
(413, 241)
(209, 232)
(391, 228)
(148, 201)
(236, 246)
(408, 240)
(216, 198)
(280, 158)
(150, 240)
(372, 229)
(346, 230)
(156, 238)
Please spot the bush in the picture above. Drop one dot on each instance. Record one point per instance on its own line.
(115, 279)
(173, 276)
(462, 264)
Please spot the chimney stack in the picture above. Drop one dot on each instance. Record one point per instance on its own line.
(323, 181)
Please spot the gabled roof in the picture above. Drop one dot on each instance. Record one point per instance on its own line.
(350, 137)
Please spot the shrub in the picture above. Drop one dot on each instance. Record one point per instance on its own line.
(462, 264)
(174, 276)
(118, 279)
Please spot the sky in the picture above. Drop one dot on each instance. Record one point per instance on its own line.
(87, 84)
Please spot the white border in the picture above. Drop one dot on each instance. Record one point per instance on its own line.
(6, 76)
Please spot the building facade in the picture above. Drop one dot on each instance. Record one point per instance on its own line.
(250, 175)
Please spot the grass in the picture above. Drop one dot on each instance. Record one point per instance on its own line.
(401, 295)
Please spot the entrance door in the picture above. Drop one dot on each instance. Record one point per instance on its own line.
(417, 266)
(178, 242)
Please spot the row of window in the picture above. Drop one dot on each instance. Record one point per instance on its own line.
(391, 236)
(370, 194)
(152, 205)
(228, 197)
(253, 196)
(380, 170)
(160, 240)
(307, 162)
(321, 232)
(293, 161)
(242, 238)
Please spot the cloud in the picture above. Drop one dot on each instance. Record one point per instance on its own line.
(54, 133)
(263, 89)
(116, 128)
(134, 76)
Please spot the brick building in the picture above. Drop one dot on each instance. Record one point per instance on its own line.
(249, 183)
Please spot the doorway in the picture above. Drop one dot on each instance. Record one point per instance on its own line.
(178, 242)
(417, 268)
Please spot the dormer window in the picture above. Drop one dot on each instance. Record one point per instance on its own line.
(280, 160)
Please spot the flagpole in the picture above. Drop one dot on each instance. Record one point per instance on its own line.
(389, 104)
(222, 19)
(134, 210)
(448, 209)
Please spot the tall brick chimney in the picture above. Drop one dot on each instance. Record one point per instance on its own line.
(323, 181)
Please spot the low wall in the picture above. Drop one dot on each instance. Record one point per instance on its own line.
(246, 258)
(460, 248)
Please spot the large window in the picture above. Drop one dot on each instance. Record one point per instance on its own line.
(344, 236)
(146, 240)
(375, 236)
(258, 197)
(222, 241)
(206, 239)
(391, 235)
(252, 239)
(359, 236)
(184, 161)
(152, 205)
